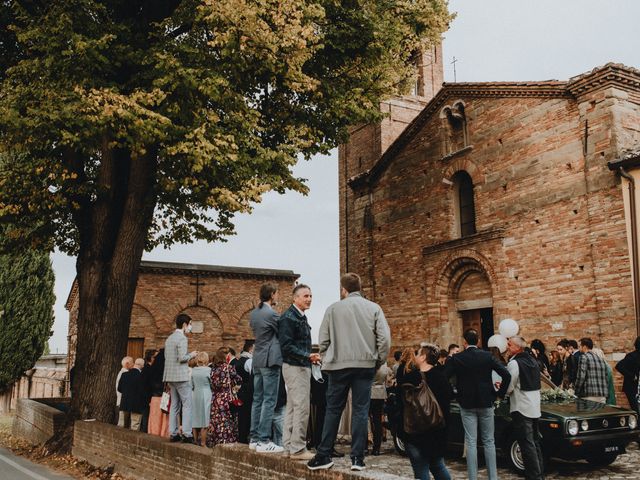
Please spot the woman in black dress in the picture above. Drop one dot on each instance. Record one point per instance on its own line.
(426, 451)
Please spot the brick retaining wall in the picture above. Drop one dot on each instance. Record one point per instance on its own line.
(149, 457)
(36, 421)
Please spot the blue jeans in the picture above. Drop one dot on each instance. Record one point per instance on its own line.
(278, 424)
(422, 463)
(265, 396)
(471, 419)
(181, 395)
(359, 380)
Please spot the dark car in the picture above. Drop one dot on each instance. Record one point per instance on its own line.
(571, 429)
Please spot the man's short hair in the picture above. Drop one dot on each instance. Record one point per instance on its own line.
(397, 354)
(266, 292)
(126, 361)
(470, 335)
(519, 341)
(564, 343)
(248, 345)
(351, 282)
(452, 346)
(586, 342)
(443, 353)
(182, 319)
(573, 344)
(636, 344)
(139, 363)
(299, 287)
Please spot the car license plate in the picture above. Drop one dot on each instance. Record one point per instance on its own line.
(611, 449)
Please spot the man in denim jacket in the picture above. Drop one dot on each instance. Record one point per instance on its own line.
(294, 333)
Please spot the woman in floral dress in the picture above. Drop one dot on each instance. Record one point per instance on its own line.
(223, 427)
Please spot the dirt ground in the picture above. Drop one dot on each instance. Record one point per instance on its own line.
(61, 463)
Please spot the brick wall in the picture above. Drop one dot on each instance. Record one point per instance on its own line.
(149, 457)
(551, 248)
(221, 317)
(36, 421)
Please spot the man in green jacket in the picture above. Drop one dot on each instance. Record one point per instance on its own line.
(294, 334)
(354, 342)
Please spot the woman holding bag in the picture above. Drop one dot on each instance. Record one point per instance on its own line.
(425, 449)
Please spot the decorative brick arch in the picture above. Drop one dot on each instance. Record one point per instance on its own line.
(141, 320)
(452, 272)
(213, 329)
(464, 164)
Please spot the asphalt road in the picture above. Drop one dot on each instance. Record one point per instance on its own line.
(13, 467)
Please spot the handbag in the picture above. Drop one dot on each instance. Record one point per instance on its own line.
(422, 412)
(165, 402)
(235, 401)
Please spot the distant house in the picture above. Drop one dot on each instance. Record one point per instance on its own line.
(218, 299)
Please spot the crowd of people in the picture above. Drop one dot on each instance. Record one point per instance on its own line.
(282, 395)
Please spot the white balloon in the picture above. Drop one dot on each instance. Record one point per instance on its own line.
(508, 328)
(499, 341)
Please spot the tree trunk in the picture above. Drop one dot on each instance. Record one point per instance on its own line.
(113, 230)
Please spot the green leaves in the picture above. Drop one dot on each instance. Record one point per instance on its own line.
(26, 303)
(226, 94)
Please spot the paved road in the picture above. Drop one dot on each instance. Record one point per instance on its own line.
(391, 466)
(13, 467)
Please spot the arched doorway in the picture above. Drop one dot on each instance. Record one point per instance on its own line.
(464, 295)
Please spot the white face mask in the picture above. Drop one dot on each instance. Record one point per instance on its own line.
(317, 373)
(188, 329)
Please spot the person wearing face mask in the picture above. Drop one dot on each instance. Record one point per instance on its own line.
(176, 374)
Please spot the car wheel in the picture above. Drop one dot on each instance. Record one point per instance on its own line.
(602, 460)
(515, 456)
(399, 445)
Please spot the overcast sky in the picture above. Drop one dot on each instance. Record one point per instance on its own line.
(492, 40)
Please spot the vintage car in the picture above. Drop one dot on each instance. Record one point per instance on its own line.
(571, 429)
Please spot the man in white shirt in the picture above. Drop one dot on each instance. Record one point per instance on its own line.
(524, 399)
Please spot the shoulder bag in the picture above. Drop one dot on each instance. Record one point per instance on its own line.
(422, 412)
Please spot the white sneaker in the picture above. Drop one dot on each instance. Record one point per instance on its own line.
(252, 445)
(269, 448)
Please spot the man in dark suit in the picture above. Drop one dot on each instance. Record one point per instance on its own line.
(629, 367)
(476, 395)
(134, 396)
(266, 365)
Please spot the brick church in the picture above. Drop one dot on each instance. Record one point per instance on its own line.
(474, 202)
(218, 299)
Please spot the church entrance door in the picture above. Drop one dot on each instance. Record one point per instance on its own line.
(480, 319)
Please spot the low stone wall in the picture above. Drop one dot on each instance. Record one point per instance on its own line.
(36, 421)
(148, 457)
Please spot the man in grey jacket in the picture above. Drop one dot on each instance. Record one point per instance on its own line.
(266, 364)
(176, 374)
(354, 341)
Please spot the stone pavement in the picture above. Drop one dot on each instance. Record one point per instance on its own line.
(390, 465)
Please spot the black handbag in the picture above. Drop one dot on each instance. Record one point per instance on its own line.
(422, 412)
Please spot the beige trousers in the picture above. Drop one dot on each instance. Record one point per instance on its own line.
(296, 417)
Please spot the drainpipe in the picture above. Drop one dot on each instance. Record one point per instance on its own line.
(634, 244)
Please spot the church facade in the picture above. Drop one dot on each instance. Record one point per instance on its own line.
(219, 299)
(476, 202)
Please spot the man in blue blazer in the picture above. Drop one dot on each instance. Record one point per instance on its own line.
(266, 365)
(476, 394)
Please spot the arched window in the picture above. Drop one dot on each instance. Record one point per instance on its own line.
(465, 211)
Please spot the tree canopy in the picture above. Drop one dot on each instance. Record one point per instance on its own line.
(26, 312)
(224, 95)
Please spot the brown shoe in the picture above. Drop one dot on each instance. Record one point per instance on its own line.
(302, 455)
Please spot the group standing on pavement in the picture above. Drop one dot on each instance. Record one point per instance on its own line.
(264, 397)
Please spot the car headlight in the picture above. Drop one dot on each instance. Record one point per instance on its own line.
(623, 421)
(584, 425)
(572, 427)
(633, 421)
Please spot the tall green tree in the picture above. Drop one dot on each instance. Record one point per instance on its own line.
(26, 312)
(137, 123)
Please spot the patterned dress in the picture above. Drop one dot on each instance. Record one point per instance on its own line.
(223, 427)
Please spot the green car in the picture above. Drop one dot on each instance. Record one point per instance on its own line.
(571, 429)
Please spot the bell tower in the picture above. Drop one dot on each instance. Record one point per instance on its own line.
(366, 145)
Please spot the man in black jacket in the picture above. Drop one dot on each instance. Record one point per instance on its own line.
(476, 395)
(134, 396)
(629, 367)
